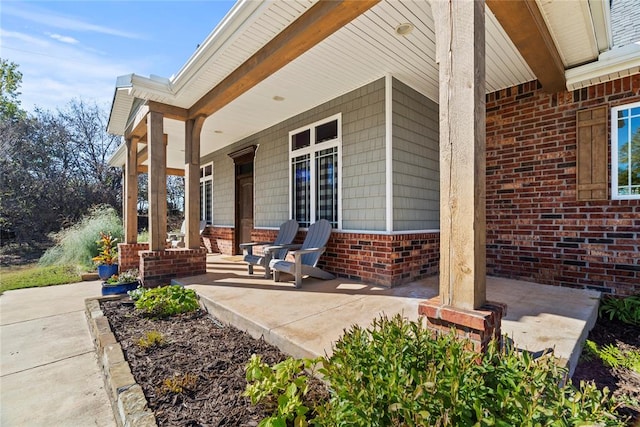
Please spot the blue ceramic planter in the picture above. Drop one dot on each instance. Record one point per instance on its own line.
(106, 271)
(118, 289)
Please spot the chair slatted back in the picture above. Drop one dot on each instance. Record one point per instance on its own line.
(286, 234)
(317, 237)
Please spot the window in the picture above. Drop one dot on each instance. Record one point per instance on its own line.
(314, 153)
(625, 151)
(206, 193)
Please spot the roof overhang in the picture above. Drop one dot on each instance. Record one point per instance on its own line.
(611, 65)
(357, 53)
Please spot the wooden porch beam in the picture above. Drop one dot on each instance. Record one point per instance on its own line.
(143, 155)
(525, 26)
(138, 126)
(170, 171)
(169, 111)
(315, 25)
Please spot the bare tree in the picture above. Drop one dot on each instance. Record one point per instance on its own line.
(53, 168)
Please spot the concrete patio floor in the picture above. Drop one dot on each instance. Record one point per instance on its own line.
(306, 322)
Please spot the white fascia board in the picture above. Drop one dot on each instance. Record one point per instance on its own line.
(121, 106)
(146, 87)
(119, 157)
(222, 35)
(601, 21)
(610, 65)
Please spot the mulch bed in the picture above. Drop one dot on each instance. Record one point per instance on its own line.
(620, 381)
(217, 354)
(197, 345)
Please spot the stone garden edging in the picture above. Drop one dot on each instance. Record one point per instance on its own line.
(129, 404)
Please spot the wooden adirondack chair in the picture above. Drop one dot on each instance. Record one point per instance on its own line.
(306, 255)
(276, 249)
(177, 239)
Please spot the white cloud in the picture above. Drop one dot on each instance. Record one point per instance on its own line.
(71, 23)
(53, 73)
(63, 39)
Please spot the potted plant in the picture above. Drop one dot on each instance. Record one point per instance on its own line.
(121, 283)
(107, 256)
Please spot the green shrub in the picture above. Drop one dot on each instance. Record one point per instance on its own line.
(395, 374)
(143, 236)
(626, 310)
(280, 388)
(76, 245)
(167, 301)
(613, 356)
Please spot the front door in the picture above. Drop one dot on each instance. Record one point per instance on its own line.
(244, 206)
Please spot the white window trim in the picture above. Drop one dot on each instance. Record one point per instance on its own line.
(204, 179)
(311, 150)
(614, 152)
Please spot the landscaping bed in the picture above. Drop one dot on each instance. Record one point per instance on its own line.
(207, 358)
(192, 368)
(621, 381)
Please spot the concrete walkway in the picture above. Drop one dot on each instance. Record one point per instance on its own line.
(49, 374)
(306, 322)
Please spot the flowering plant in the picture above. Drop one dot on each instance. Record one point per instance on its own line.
(129, 276)
(108, 250)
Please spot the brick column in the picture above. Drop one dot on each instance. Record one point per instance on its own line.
(157, 268)
(479, 326)
(128, 255)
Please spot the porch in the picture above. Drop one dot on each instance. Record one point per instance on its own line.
(305, 322)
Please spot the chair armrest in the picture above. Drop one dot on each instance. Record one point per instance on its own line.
(246, 245)
(300, 252)
(274, 248)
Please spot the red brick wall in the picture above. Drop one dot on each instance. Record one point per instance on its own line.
(221, 239)
(382, 259)
(536, 230)
(128, 257)
(159, 267)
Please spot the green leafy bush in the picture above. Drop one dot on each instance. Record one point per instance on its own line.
(167, 301)
(396, 374)
(626, 310)
(613, 356)
(76, 245)
(280, 388)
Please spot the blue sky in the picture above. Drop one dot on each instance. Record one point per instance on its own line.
(76, 49)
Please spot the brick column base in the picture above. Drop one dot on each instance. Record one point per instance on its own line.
(157, 268)
(478, 326)
(128, 257)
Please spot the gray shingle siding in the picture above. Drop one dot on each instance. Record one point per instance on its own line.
(363, 164)
(223, 186)
(416, 180)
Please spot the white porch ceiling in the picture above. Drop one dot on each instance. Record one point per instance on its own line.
(363, 51)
